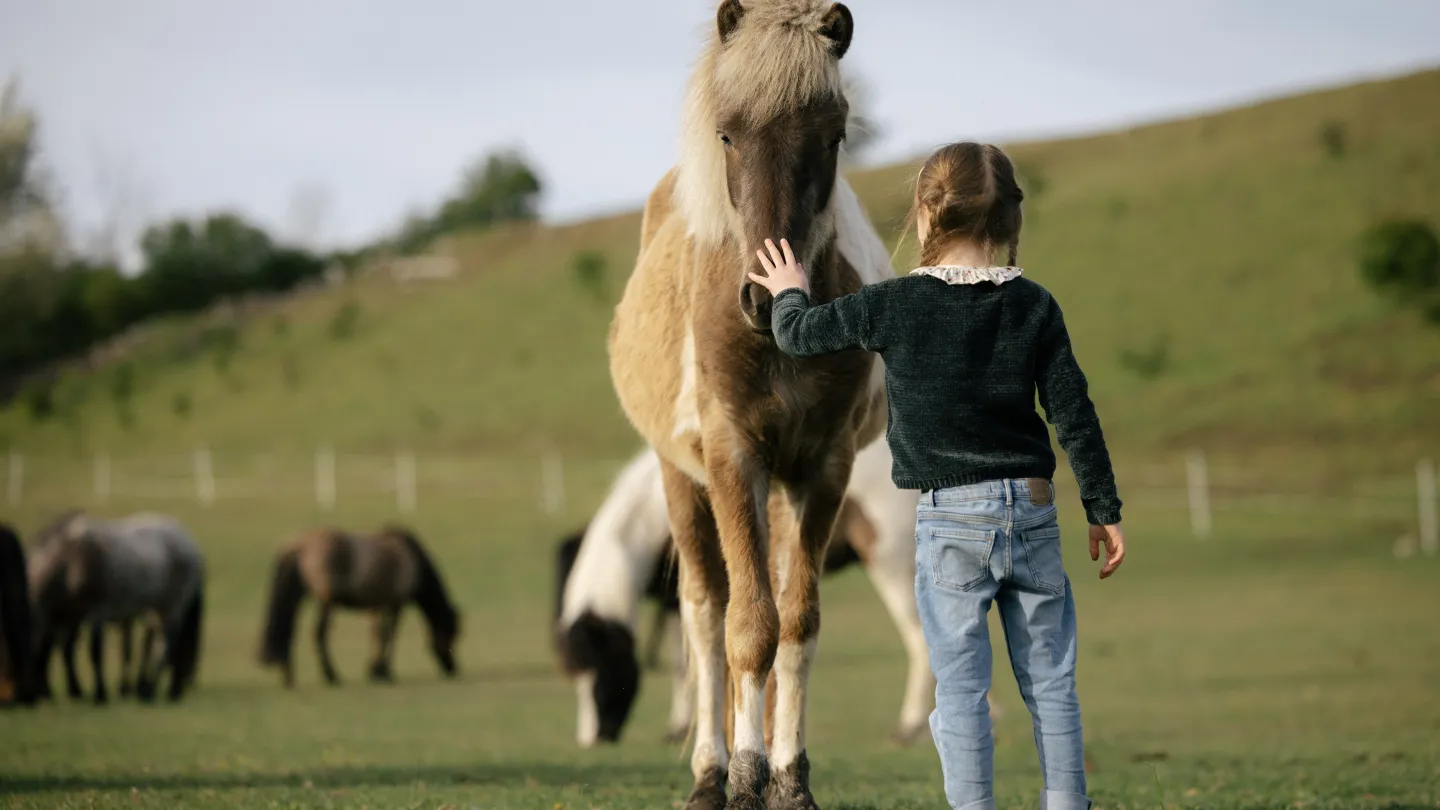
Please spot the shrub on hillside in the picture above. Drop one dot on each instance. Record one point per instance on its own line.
(344, 321)
(588, 267)
(39, 400)
(1334, 139)
(1149, 362)
(1401, 259)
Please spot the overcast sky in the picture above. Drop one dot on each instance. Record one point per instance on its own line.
(171, 106)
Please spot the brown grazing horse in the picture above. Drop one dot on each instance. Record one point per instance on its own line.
(380, 573)
(17, 684)
(699, 375)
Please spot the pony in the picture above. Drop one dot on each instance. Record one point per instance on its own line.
(381, 573)
(625, 555)
(142, 567)
(16, 651)
(71, 638)
(698, 374)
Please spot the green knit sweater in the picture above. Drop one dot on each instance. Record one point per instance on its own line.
(963, 365)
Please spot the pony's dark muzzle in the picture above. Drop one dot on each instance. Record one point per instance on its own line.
(755, 304)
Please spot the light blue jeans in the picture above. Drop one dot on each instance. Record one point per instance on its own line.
(993, 542)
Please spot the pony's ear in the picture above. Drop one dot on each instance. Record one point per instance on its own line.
(839, 28)
(728, 18)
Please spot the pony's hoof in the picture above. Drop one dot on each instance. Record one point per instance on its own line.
(709, 791)
(790, 787)
(101, 699)
(126, 690)
(381, 675)
(749, 780)
(75, 693)
(145, 692)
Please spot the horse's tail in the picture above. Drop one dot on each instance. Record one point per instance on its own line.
(286, 590)
(187, 651)
(15, 621)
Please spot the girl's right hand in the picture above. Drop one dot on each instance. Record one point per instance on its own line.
(1114, 540)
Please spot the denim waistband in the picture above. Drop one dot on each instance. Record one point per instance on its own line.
(1003, 489)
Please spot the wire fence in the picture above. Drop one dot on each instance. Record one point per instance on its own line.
(327, 478)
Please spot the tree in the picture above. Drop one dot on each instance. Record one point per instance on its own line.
(27, 219)
(501, 187)
(189, 266)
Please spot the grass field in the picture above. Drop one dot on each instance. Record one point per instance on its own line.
(1290, 662)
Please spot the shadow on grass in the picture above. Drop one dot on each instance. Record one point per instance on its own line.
(518, 774)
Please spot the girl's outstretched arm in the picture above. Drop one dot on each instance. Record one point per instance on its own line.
(800, 329)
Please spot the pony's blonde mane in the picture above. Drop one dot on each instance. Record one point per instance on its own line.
(775, 60)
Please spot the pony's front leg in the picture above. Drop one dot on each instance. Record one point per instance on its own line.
(682, 691)
(702, 613)
(322, 644)
(386, 620)
(739, 491)
(67, 651)
(97, 660)
(800, 555)
(127, 683)
(894, 581)
(40, 667)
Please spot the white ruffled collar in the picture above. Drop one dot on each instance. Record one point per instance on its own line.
(955, 274)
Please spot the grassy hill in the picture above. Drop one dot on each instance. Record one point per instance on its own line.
(1206, 267)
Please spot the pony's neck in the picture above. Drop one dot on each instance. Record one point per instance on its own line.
(431, 598)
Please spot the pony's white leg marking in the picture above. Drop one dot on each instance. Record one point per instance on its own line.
(705, 633)
(588, 728)
(750, 714)
(682, 689)
(687, 403)
(792, 676)
(896, 587)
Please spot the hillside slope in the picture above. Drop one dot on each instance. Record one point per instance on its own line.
(1206, 267)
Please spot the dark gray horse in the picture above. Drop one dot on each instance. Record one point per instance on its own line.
(145, 567)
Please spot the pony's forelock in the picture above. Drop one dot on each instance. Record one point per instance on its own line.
(777, 59)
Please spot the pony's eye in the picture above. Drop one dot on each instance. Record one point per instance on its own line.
(835, 144)
(725, 139)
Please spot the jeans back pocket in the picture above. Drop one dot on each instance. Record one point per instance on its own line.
(1041, 547)
(960, 559)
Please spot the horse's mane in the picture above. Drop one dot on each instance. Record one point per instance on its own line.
(775, 60)
(430, 591)
(57, 525)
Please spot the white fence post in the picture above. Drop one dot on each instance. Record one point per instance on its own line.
(325, 478)
(1198, 477)
(102, 478)
(1429, 523)
(552, 485)
(15, 479)
(204, 477)
(405, 495)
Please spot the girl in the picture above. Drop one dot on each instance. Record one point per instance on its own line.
(967, 346)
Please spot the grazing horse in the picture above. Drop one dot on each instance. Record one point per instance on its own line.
(624, 556)
(17, 684)
(146, 567)
(71, 638)
(698, 374)
(381, 573)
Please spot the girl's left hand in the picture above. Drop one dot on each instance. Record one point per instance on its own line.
(782, 271)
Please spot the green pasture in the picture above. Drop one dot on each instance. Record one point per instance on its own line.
(1290, 661)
